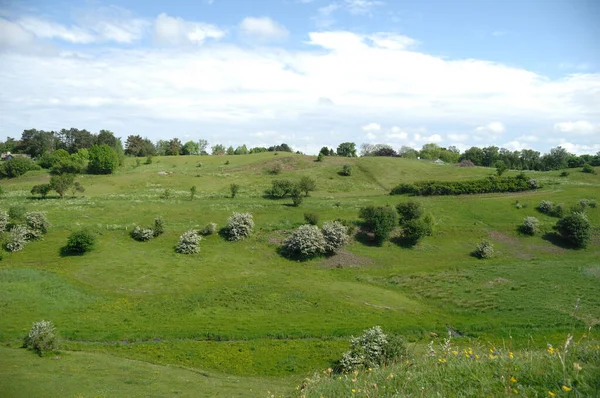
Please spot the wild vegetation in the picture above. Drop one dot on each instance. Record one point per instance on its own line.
(260, 323)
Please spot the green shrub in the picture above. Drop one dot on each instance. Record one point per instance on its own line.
(16, 213)
(296, 195)
(18, 238)
(41, 189)
(209, 229)
(280, 189)
(484, 249)
(320, 157)
(276, 169)
(379, 220)
(346, 170)
(410, 210)
(142, 234)
(166, 194)
(4, 220)
(305, 242)
(587, 168)
(193, 191)
(307, 184)
(239, 226)
(37, 224)
(564, 174)
(485, 185)
(234, 189)
(103, 160)
(61, 183)
(80, 242)
(530, 226)
(159, 226)
(311, 218)
(416, 229)
(42, 337)
(575, 228)
(189, 242)
(551, 209)
(335, 234)
(148, 160)
(366, 351)
(16, 167)
(584, 203)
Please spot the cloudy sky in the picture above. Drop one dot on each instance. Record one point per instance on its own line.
(512, 73)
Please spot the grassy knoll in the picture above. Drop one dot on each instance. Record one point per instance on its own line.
(241, 310)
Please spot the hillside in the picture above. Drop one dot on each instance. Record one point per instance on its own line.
(252, 321)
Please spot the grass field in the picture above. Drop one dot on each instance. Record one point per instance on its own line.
(239, 319)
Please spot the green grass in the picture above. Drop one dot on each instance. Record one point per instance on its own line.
(240, 309)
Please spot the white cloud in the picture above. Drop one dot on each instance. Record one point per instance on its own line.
(392, 41)
(51, 30)
(582, 127)
(177, 31)
(458, 137)
(580, 149)
(371, 137)
(493, 127)
(361, 7)
(371, 127)
(263, 28)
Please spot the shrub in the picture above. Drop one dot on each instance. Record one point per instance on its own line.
(545, 207)
(193, 191)
(485, 249)
(148, 160)
(346, 170)
(189, 242)
(583, 203)
(17, 238)
(275, 169)
(410, 210)
(210, 229)
(37, 224)
(234, 188)
(280, 188)
(296, 195)
(311, 218)
(1, 191)
(3, 221)
(103, 159)
(166, 194)
(530, 226)
(17, 213)
(80, 242)
(485, 185)
(159, 226)
(379, 220)
(335, 234)
(76, 187)
(320, 157)
(142, 234)
(61, 183)
(305, 242)
(307, 184)
(416, 229)
(42, 337)
(16, 167)
(558, 210)
(239, 226)
(575, 228)
(41, 189)
(564, 174)
(587, 168)
(366, 351)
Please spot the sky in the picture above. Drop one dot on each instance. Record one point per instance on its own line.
(513, 73)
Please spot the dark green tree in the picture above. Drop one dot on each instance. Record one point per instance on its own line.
(103, 160)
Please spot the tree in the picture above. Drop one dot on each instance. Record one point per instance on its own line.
(17, 167)
(202, 145)
(379, 220)
(36, 143)
(324, 151)
(103, 160)
(241, 150)
(174, 147)
(307, 184)
(218, 149)
(490, 156)
(347, 149)
(575, 228)
(473, 154)
(191, 148)
(230, 150)
(500, 167)
(80, 242)
(76, 187)
(139, 147)
(556, 159)
(41, 189)
(161, 147)
(61, 183)
(430, 151)
(410, 210)
(408, 152)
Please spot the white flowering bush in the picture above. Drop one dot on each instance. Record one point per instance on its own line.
(42, 337)
(3, 221)
(18, 238)
(367, 350)
(189, 242)
(335, 234)
(210, 229)
(37, 223)
(545, 207)
(485, 249)
(239, 226)
(305, 242)
(530, 226)
(142, 234)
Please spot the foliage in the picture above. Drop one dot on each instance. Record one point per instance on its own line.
(311, 218)
(346, 170)
(587, 168)
(320, 157)
(335, 234)
(417, 228)
(16, 167)
(61, 183)
(239, 226)
(4, 218)
(545, 207)
(42, 337)
(367, 351)
(296, 195)
(564, 174)
(484, 249)
(276, 169)
(584, 203)
(209, 229)
(530, 226)
(307, 184)
(486, 185)
(142, 234)
(193, 191)
(575, 228)
(80, 242)
(347, 149)
(159, 226)
(234, 189)
(148, 159)
(189, 242)
(17, 238)
(37, 224)
(305, 242)
(17, 213)
(166, 194)
(76, 187)
(500, 167)
(379, 220)
(280, 189)
(103, 160)
(409, 211)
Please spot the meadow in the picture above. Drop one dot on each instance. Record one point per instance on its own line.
(238, 319)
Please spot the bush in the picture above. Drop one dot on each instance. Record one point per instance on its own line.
(103, 159)
(3, 221)
(41, 189)
(210, 229)
(276, 169)
(297, 197)
(37, 224)
(42, 337)
(311, 218)
(335, 234)
(379, 220)
(486, 185)
(148, 160)
(61, 183)
(320, 157)
(410, 210)
(584, 203)
(366, 351)
(564, 174)
(307, 184)
(1, 191)
(166, 194)
(159, 226)
(16, 213)
(305, 242)
(18, 238)
(416, 229)
(346, 170)
(239, 226)
(234, 188)
(575, 228)
(280, 189)
(142, 234)
(485, 249)
(80, 242)
(530, 226)
(16, 167)
(189, 242)
(545, 207)
(587, 168)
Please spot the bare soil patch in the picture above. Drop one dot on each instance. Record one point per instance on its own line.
(345, 259)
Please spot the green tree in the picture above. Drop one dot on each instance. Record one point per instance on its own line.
(575, 228)
(61, 183)
(191, 148)
(347, 149)
(41, 189)
(103, 160)
(241, 150)
(234, 188)
(174, 147)
(230, 151)
(218, 149)
(17, 167)
(500, 167)
(379, 220)
(307, 184)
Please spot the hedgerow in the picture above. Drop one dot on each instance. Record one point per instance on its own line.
(491, 184)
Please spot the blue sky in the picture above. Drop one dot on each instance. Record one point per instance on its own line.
(517, 74)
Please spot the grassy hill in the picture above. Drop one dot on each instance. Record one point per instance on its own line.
(252, 319)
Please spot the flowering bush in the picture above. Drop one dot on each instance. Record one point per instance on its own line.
(335, 234)
(484, 249)
(3, 221)
(210, 229)
(189, 242)
(18, 238)
(142, 234)
(367, 350)
(545, 207)
(42, 337)
(239, 226)
(37, 223)
(530, 226)
(305, 242)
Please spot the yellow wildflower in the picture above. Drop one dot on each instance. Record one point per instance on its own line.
(353, 390)
(513, 380)
(551, 394)
(454, 352)
(515, 392)
(442, 360)
(493, 356)
(511, 355)
(566, 389)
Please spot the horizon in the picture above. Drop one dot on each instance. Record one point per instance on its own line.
(523, 76)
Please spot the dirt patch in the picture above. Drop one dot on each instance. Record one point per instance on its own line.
(345, 259)
(277, 237)
(547, 249)
(503, 238)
